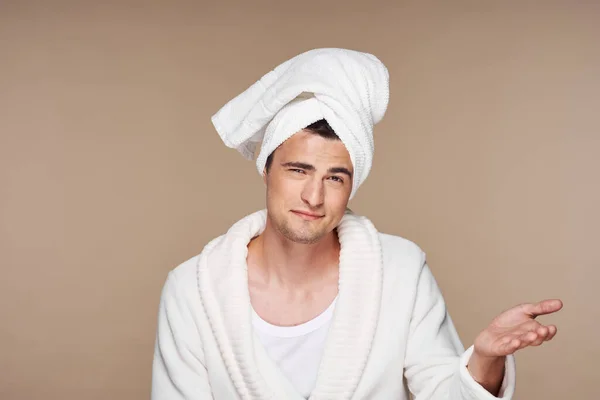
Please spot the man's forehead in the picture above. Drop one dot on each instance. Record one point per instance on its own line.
(314, 147)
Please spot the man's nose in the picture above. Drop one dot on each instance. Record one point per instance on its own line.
(314, 192)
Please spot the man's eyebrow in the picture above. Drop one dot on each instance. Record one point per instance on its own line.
(296, 164)
(309, 167)
(340, 170)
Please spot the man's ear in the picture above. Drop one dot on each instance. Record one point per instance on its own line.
(264, 174)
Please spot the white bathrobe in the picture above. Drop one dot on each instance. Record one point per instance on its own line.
(390, 333)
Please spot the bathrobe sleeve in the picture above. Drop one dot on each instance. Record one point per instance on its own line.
(178, 370)
(435, 360)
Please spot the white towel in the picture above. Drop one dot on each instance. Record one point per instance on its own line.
(349, 89)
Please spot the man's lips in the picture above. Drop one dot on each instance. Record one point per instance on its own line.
(307, 215)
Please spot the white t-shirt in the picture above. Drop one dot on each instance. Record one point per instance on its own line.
(297, 350)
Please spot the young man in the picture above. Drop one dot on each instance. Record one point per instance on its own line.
(305, 299)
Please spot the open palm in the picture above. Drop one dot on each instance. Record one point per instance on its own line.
(517, 328)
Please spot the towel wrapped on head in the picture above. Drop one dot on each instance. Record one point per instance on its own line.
(349, 89)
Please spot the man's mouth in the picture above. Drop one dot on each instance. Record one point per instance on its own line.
(307, 215)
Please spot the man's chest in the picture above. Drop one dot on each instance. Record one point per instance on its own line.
(282, 308)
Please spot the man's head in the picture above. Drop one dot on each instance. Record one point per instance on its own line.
(309, 181)
(348, 88)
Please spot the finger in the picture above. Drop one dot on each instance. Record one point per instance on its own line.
(545, 333)
(535, 336)
(528, 326)
(511, 345)
(551, 331)
(543, 307)
(542, 332)
(508, 340)
(531, 325)
(538, 340)
(527, 339)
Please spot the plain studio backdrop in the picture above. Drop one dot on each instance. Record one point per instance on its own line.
(111, 173)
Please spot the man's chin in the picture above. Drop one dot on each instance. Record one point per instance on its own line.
(302, 232)
(303, 238)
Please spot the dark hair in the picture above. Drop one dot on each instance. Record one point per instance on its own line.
(321, 128)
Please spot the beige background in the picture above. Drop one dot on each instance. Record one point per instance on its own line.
(111, 173)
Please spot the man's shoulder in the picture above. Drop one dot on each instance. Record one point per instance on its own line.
(399, 246)
(401, 254)
(186, 269)
(186, 273)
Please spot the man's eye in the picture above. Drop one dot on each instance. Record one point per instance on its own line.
(337, 179)
(301, 171)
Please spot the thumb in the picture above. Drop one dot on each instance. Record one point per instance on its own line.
(543, 307)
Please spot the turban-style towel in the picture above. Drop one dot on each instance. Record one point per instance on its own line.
(349, 89)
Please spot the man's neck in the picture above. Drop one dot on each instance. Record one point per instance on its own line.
(280, 261)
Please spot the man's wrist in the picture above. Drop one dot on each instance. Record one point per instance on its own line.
(487, 371)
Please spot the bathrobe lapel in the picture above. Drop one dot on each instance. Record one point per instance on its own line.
(223, 286)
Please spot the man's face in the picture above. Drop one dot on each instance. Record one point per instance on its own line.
(308, 186)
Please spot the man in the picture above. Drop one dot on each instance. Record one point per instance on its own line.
(305, 299)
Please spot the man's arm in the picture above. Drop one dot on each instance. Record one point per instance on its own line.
(487, 372)
(435, 360)
(178, 370)
(509, 332)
